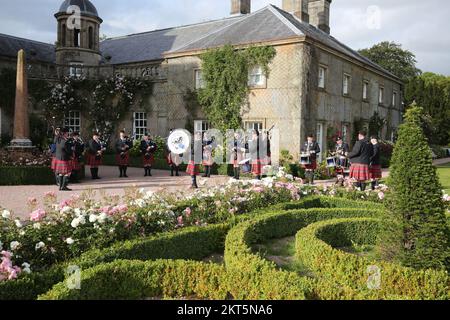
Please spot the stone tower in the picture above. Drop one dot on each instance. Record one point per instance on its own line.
(241, 7)
(78, 33)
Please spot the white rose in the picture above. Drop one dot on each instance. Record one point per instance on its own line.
(14, 245)
(6, 214)
(39, 245)
(37, 226)
(93, 218)
(65, 210)
(26, 267)
(18, 223)
(70, 241)
(75, 223)
(102, 217)
(78, 211)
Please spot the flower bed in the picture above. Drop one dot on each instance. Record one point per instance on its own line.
(314, 247)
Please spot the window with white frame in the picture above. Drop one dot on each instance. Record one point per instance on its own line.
(365, 90)
(199, 83)
(346, 85)
(201, 126)
(345, 132)
(256, 77)
(322, 77)
(381, 95)
(76, 69)
(72, 121)
(139, 125)
(254, 125)
(394, 99)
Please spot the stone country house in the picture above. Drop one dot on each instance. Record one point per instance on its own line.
(316, 82)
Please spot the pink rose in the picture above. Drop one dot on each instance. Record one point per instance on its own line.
(180, 220)
(381, 195)
(37, 215)
(188, 212)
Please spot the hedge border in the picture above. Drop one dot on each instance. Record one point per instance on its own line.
(15, 176)
(145, 279)
(314, 248)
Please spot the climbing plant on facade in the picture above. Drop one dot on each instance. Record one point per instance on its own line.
(225, 73)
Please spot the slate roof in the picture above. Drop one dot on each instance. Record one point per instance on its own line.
(40, 51)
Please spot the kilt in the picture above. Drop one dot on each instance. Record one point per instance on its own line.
(123, 161)
(359, 172)
(193, 169)
(174, 159)
(375, 172)
(53, 165)
(312, 166)
(63, 167)
(93, 161)
(148, 161)
(257, 166)
(76, 165)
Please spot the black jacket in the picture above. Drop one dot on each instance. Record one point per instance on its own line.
(376, 156)
(145, 145)
(312, 147)
(94, 147)
(78, 148)
(121, 146)
(341, 150)
(362, 152)
(63, 149)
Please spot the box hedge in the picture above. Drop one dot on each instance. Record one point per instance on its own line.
(14, 176)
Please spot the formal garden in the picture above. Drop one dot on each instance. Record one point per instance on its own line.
(270, 239)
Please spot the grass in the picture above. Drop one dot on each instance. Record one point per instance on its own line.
(444, 175)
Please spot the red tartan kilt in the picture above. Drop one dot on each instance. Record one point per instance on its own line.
(257, 166)
(312, 166)
(193, 169)
(148, 161)
(359, 172)
(76, 165)
(169, 159)
(375, 172)
(123, 161)
(53, 165)
(63, 167)
(93, 161)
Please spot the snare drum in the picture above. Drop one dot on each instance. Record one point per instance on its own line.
(331, 162)
(305, 159)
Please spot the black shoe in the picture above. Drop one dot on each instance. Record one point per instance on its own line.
(65, 182)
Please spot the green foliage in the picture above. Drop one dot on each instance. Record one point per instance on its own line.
(376, 124)
(350, 273)
(393, 58)
(38, 131)
(15, 176)
(432, 92)
(414, 231)
(225, 72)
(8, 90)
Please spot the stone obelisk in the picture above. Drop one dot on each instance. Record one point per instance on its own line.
(21, 137)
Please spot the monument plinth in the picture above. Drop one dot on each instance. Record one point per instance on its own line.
(21, 138)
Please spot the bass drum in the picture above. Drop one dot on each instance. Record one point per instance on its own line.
(179, 141)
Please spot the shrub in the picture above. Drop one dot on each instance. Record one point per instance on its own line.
(314, 247)
(414, 232)
(141, 280)
(13, 176)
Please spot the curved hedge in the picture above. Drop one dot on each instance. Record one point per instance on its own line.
(143, 280)
(256, 278)
(190, 243)
(314, 247)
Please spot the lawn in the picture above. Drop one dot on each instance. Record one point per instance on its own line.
(444, 174)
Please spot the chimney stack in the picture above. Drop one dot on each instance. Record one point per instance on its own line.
(319, 14)
(241, 7)
(298, 8)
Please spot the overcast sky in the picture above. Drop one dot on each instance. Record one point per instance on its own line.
(420, 26)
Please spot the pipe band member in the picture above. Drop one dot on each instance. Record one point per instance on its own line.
(238, 150)
(256, 152)
(52, 147)
(375, 163)
(63, 159)
(207, 155)
(148, 149)
(123, 147)
(360, 159)
(195, 159)
(78, 149)
(341, 151)
(312, 148)
(95, 154)
(173, 160)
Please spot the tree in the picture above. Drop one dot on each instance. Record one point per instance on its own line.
(414, 231)
(393, 58)
(432, 91)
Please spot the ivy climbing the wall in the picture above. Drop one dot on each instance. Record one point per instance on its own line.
(225, 73)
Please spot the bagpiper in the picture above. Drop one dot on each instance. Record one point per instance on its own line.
(173, 160)
(95, 154)
(52, 148)
(237, 149)
(78, 149)
(195, 159)
(360, 160)
(63, 159)
(208, 160)
(311, 148)
(256, 153)
(148, 149)
(123, 146)
(375, 163)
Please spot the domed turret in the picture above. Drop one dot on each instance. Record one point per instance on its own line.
(78, 33)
